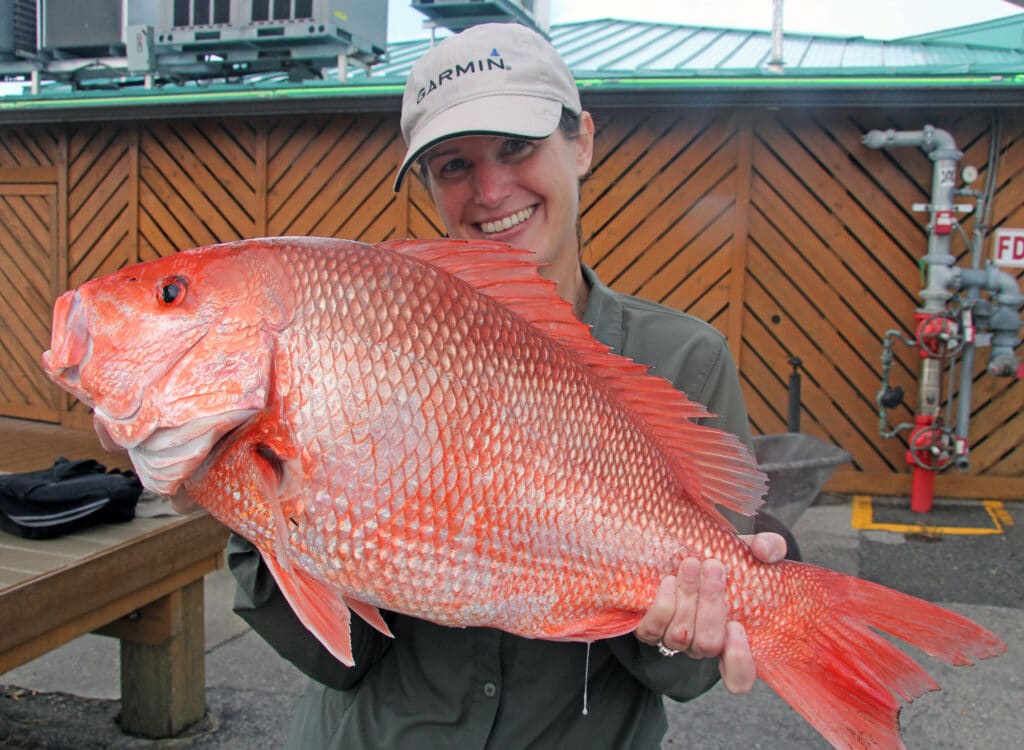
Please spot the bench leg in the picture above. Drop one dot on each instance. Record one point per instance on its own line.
(163, 685)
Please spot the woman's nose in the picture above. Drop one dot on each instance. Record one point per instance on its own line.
(492, 183)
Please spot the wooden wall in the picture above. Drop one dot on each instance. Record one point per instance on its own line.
(778, 227)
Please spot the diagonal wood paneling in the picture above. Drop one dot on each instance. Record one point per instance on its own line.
(332, 177)
(778, 227)
(677, 176)
(197, 184)
(99, 235)
(27, 261)
(28, 268)
(423, 219)
(26, 147)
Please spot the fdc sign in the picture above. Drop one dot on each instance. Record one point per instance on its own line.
(1008, 247)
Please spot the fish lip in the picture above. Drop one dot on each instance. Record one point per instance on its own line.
(108, 420)
(71, 345)
(111, 419)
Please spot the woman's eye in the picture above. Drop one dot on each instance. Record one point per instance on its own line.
(516, 147)
(453, 166)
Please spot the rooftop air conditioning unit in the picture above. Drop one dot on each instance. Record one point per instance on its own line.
(17, 28)
(262, 34)
(461, 14)
(80, 28)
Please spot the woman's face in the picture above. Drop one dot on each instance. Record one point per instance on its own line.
(518, 191)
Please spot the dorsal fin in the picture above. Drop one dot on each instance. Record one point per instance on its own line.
(714, 466)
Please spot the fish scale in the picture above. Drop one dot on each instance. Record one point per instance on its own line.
(369, 321)
(424, 427)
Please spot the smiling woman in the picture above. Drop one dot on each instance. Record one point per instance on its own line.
(495, 129)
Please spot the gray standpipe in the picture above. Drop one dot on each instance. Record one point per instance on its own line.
(947, 322)
(942, 150)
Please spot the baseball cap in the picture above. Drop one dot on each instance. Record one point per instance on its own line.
(494, 78)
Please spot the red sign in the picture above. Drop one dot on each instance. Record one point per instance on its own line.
(943, 221)
(1008, 248)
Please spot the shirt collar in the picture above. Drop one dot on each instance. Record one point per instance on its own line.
(604, 312)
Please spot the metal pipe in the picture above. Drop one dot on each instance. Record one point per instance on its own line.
(889, 397)
(941, 149)
(963, 414)
(982, 207)
(1004, 321)
(928, 138)
(776, 60)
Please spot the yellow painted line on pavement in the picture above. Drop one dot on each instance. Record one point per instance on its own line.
(862, 517)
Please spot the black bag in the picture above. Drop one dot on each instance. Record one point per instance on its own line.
(68, 496)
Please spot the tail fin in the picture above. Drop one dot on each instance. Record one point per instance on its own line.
(843, 677)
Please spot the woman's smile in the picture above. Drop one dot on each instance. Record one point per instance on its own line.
(505, 223)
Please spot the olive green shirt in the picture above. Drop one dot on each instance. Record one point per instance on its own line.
(439, 687)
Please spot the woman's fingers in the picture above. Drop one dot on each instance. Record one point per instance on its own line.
(659, 614)
(737, 662)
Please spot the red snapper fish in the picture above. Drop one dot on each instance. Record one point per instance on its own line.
(423, 426)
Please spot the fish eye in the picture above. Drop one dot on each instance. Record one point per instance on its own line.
(172, 290)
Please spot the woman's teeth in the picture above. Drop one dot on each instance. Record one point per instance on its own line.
(490, 227)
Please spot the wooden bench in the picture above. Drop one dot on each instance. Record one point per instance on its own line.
(141, 582)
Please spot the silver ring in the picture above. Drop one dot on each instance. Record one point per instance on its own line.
(665, 650)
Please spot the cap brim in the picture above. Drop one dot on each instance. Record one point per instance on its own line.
(505, 114)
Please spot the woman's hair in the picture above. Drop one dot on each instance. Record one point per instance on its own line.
(569, 124)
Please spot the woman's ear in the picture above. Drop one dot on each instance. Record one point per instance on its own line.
(584, 144)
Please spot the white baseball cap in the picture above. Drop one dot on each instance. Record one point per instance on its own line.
(491, 79)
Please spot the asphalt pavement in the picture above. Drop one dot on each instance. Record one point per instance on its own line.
(68, 699)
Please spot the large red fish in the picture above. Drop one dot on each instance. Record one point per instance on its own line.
(423, 426)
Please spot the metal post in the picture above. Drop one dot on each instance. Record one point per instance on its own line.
(793, 420)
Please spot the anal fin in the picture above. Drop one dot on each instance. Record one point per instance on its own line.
(319, 608)
(370, 614)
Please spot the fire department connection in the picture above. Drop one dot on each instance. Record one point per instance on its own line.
(962, 309)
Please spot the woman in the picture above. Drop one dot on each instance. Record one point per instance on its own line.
(495, 129)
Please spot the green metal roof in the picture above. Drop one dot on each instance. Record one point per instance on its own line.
(1006, 33)
(617, 48)
(619, 62)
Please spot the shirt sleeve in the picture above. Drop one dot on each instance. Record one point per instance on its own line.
(722, 396)
(260, 603)
(679, 677)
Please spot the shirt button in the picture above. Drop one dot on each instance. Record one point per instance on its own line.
(490, 689)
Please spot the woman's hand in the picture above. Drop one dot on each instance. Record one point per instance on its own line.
(690, 614)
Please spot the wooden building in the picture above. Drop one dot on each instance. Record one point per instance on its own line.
(733, 190)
